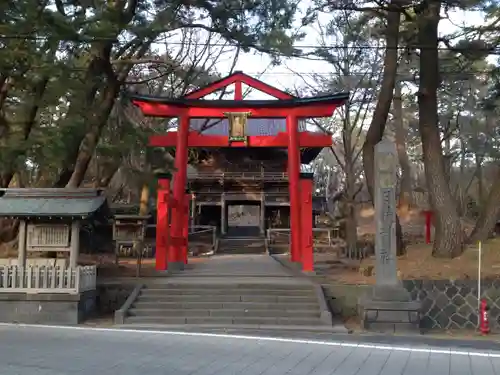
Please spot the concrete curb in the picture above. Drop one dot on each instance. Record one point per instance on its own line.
(236, 327)
(121, 313)
(325, 315)
(293, 272)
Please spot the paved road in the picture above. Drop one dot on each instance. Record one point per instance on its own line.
(60, 351)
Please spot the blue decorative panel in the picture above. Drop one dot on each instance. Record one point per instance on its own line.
(255, 126)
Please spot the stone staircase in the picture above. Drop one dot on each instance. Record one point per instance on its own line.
(241, 245)
(227, 304)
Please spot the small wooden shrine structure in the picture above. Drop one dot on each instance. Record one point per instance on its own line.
(128, 231)
(258, 147)
(50, 219)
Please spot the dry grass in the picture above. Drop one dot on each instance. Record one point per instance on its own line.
(419, 263)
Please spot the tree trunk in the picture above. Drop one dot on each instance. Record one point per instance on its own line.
(488, 215)
(8, 229)
(104, 179)
(448, 238)
(405, 195)
(91, 139)
(81, 108)
(351, 223)
(480, 185)
(143, 211)
(34, 100)
(377, 126)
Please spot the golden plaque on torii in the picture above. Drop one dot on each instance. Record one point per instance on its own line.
(237, 125)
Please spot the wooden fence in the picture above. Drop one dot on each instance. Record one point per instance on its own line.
(322, 237)
(40, 279)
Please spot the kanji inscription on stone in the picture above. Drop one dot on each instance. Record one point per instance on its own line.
(386, 164)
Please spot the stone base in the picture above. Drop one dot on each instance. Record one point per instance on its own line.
(47, 308)
(386, 293)
(175, 266)
(388, 309)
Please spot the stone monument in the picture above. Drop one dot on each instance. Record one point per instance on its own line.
(388, 306)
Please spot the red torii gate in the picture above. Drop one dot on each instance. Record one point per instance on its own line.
(171, 249)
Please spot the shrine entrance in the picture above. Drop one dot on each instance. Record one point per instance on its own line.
(244, 219)
(247, 150)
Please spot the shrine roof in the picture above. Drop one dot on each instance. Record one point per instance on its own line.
(62, 203)
(238, 76)
(338, 98)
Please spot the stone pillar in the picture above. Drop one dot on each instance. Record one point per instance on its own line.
(293, 185)
(386, 164)
(262, 213)
(21, 244)
(388, 307)
(74, 244)
(223, 214)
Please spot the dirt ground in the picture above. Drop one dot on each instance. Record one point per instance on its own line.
(419, 263)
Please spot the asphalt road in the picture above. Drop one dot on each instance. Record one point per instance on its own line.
(84, 351)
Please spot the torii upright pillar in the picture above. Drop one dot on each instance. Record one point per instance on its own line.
(306, 225)
(162, 223)
(178, 241)
(294, 185)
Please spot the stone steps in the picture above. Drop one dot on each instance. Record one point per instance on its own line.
(226, 321)
(287, 306)
(226, 298)
(229, 285)
(231, 313)
(242, 246)
(272, 304)
(224, 291)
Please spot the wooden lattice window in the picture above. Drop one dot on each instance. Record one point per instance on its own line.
(45, 235)
(131, 228)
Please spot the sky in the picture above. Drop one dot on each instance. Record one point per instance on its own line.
(259, 65)
(284, 76)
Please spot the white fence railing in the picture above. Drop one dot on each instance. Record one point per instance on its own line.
(203, 233)
(256, 175)
(322, 237)
(14, 279)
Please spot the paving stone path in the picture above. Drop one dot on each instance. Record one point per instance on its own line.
(64, 351)
(238, 265)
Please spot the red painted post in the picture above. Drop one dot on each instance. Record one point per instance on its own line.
(294, 185)
(428, 226)
(484, 322)
(307, 250)
(180, 179)
(238, 90)
(163, 196)
(185, 229)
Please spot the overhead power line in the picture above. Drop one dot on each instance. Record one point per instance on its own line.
(85, 39)
(366, 74)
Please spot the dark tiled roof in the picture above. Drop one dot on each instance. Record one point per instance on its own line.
(51, 202)
(282, 103)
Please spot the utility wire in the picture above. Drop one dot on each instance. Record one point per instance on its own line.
(85, 39)
(363, 74)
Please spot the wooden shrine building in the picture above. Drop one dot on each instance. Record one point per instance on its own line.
(249, 153)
